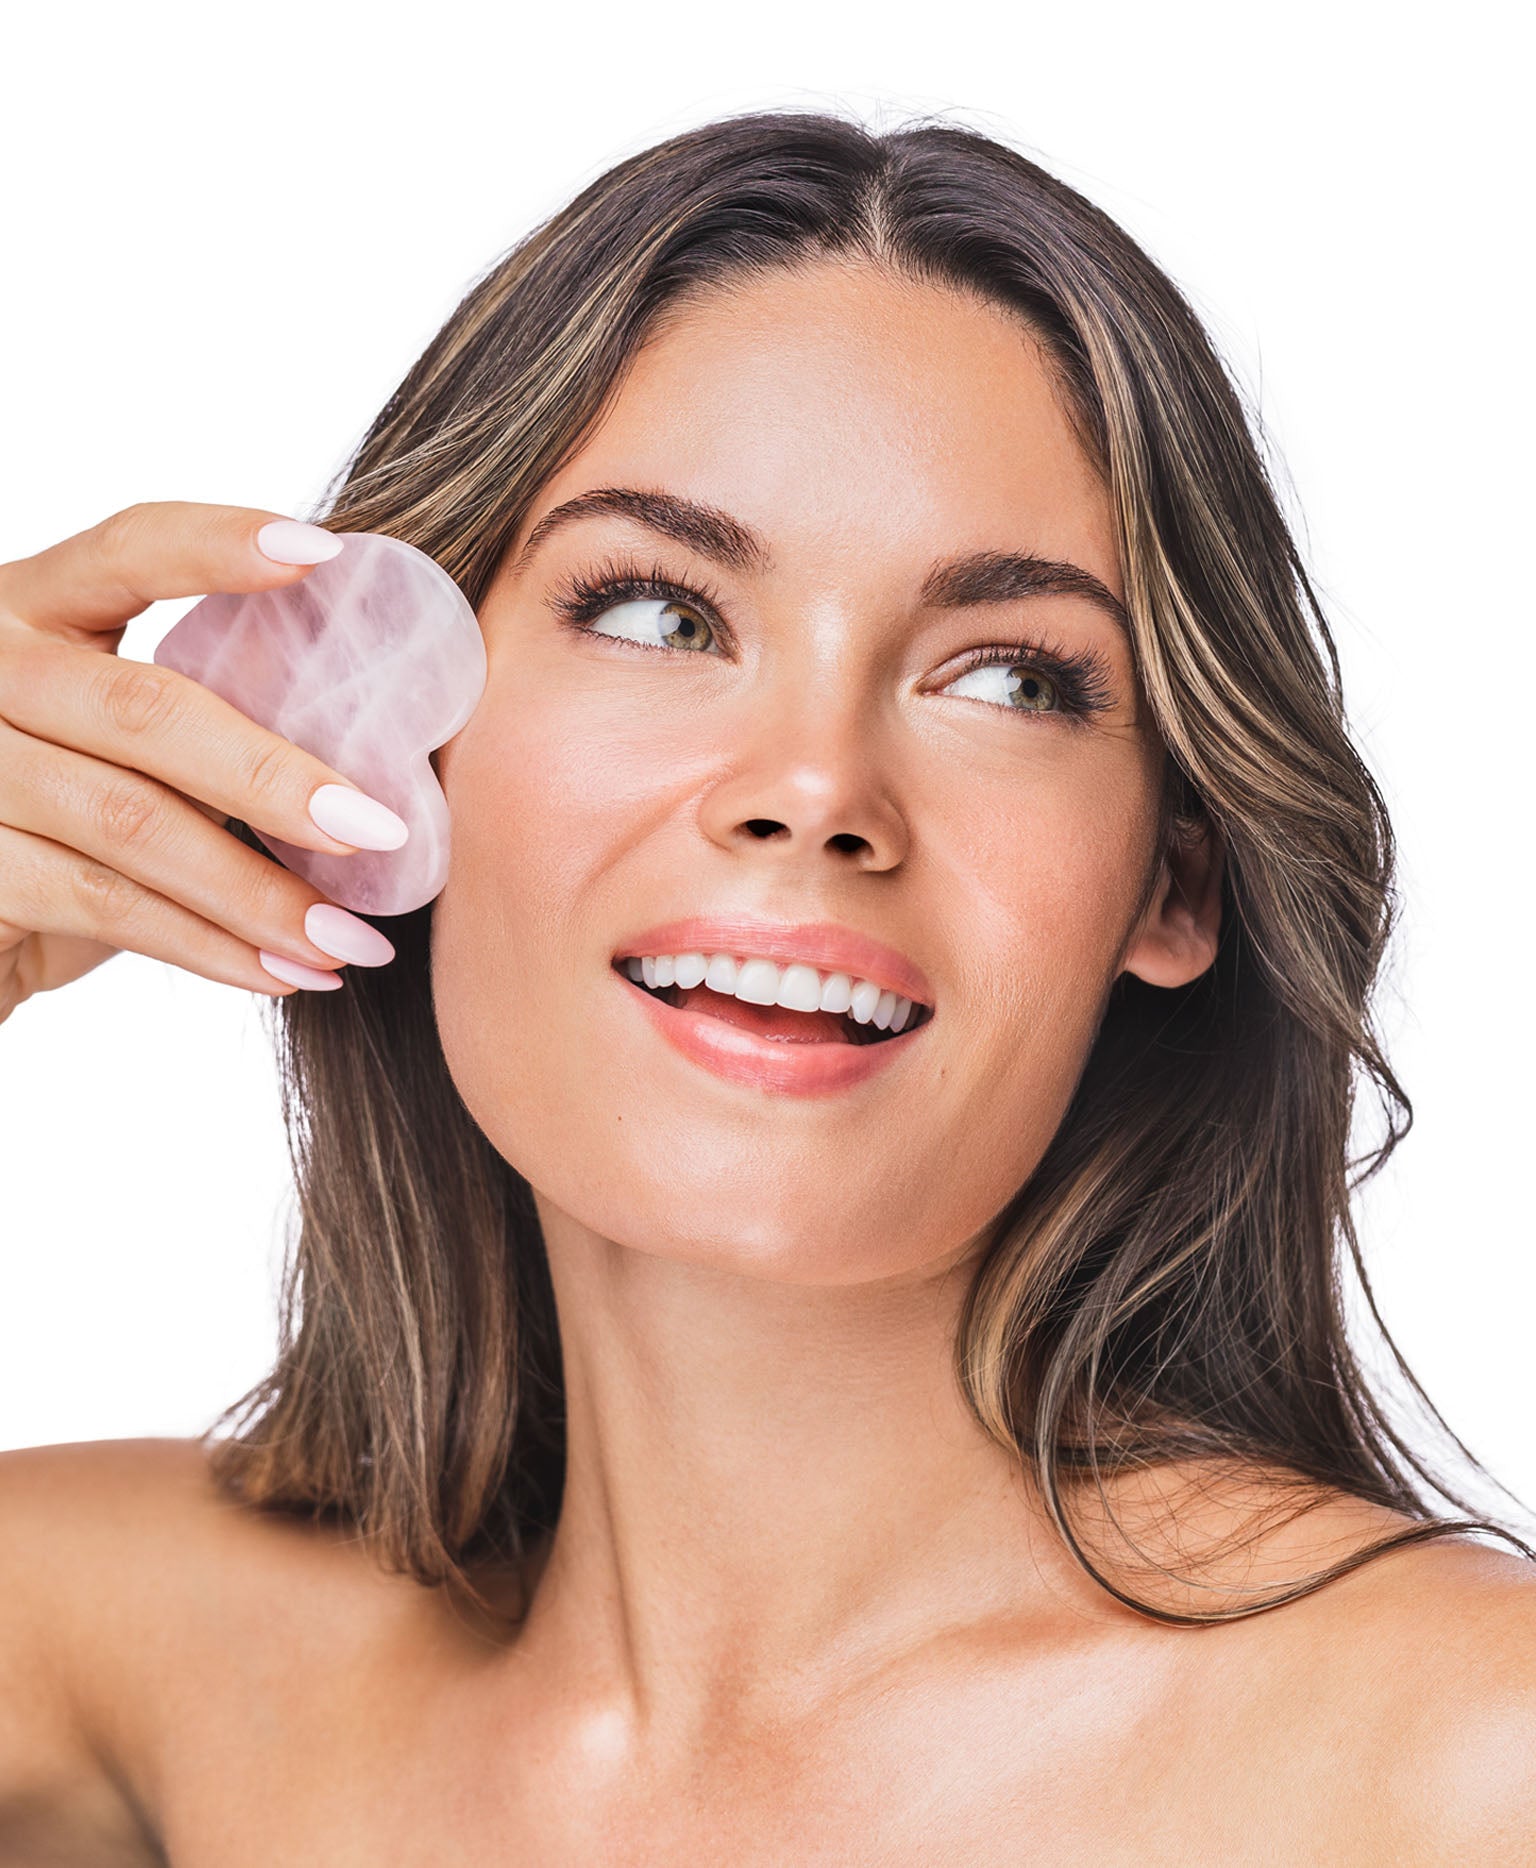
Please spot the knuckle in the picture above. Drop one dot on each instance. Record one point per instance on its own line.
(137, 698)
(260, 893)
(16, 677)
(128, 810)
(120, 530)
(104, 896)
(21, 890)
(266, 772)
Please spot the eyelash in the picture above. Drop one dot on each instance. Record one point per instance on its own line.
(1083, 681)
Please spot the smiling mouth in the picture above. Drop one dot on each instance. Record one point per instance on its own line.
(776, 1021)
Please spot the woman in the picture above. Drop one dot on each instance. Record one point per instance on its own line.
(692, 1441)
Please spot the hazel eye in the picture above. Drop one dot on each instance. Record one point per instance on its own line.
(655, 621)
(1013, 685)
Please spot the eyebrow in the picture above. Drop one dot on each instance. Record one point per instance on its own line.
(952, 583)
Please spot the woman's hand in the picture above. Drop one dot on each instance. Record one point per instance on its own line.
(118, 777)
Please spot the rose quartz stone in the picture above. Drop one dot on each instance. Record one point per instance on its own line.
(371, 662)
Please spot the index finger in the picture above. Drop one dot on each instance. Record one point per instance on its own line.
(163, 725)
(96, 580)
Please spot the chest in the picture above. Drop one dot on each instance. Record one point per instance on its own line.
(411, 1769)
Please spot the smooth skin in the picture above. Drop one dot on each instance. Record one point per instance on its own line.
(797, 1608)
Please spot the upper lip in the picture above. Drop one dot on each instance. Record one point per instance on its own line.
(823, 944)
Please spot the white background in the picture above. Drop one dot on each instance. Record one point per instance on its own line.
(227, 232)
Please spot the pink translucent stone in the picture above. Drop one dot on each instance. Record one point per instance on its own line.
(371, 662)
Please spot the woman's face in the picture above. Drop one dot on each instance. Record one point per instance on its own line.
(808, 739)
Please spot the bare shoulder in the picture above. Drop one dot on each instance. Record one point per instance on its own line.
(1420, 1670)
(85, 1526)
(68, 1538)
(106, 1533)
(1394, 1704)
(145, 1521)
(130, 1550)
(89, 1480)
(128, 1580)
(1453, 1623)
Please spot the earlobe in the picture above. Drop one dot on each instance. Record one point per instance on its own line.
(1176, 939)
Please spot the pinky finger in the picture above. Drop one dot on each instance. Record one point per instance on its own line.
(71, 897)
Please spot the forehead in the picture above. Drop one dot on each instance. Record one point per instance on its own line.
(845, 411)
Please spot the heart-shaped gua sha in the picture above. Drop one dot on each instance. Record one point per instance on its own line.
(371, 662)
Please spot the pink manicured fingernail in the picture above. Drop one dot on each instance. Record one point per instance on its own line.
(291, 541)
(295, 973)
(353, 817)
(336, 932)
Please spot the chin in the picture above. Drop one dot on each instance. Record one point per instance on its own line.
(751, 1218)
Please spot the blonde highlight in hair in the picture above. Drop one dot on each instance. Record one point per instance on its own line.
(1165, 1290)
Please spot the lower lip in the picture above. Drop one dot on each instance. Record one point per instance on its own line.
(806, 1068)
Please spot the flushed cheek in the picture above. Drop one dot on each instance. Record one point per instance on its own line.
(538, 816)
(1042, 916)
(523, 821)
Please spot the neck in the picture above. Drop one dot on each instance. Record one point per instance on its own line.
(770, 1489)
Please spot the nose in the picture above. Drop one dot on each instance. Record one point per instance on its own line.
(807, 779)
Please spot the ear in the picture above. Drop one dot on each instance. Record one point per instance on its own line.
(1175, 940)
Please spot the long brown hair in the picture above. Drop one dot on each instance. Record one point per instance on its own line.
(1166, 1287)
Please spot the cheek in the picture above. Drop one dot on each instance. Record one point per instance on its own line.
(1046, 859)
(531, 823)
(1042, 878)
(524, 804)
(570, 769)
(545, 797)
(555, 848)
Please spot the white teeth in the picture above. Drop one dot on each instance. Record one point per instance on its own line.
(837, 993)
(800, 989)
(866, 996)
(690, 969)
(720, 975)
(795, 985)
(758, 982)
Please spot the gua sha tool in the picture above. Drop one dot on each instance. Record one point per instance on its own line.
(371, 662)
